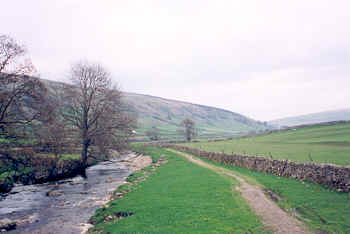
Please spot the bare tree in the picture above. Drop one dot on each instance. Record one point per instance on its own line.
(188, 129)
(94, 107)
(22, 102)
(22, 97)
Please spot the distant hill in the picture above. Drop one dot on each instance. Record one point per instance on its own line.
(166, 116)
(326, 116)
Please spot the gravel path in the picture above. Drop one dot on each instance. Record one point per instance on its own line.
(271, 214)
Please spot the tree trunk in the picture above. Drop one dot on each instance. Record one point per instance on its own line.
(86, 140)
(84, 152)
(188, 135)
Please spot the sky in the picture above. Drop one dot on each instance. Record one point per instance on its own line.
(265, 59)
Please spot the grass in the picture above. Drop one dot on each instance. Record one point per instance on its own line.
(180, 197)
(325, 144)
(316, 206)
(6, 174)
(69, 156)
(135, 176)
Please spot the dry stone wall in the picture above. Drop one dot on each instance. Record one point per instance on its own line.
(337, 177)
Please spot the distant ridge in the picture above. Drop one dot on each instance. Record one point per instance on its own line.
(320, 117)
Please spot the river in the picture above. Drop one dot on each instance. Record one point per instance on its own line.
(64, 206)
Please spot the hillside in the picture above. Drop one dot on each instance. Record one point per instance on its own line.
(166, 115)
(326, 116)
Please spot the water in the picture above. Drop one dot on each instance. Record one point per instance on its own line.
(71, 203)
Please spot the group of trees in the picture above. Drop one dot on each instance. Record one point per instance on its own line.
(88, 114)
(90, 111)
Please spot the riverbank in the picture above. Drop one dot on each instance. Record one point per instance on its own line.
(43, 169)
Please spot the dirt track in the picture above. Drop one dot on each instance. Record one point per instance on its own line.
(272, 215)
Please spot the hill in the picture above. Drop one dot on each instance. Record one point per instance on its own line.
(326, 116)
(166, 115)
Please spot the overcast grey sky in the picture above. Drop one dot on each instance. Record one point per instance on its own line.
(264, 59)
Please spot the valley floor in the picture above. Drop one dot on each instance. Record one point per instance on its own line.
(189, 195)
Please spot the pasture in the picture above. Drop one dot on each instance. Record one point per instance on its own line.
(322, 144)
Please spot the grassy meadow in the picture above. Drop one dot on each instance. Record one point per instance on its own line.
(325, 144)
(179, 197)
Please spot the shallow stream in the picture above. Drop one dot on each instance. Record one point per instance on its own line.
(64, 206)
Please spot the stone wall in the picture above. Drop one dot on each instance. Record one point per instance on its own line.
(333, 176)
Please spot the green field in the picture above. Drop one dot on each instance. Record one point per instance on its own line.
(325, 144)
(180, 197)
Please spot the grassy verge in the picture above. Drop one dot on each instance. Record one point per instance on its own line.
(179, 197)
(318, 207)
